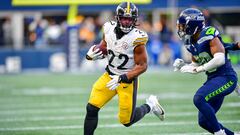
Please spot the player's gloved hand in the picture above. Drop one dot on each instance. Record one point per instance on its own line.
(94, 54)
(199, 69)
(116, 80)
(178, 63)
(188, 69)
(114, 83)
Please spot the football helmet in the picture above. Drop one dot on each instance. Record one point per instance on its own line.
(126, 16)
(189, 22)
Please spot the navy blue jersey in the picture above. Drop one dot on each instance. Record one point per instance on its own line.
(201, 52)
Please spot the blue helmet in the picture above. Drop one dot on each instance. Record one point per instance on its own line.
(189, 22)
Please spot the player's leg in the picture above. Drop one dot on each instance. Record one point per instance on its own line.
(204, 123)
(128, 112)
(100, 95)
(213, 88)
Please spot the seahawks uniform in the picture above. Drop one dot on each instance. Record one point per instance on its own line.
(120, 61)
(221, 81)
(201, 52)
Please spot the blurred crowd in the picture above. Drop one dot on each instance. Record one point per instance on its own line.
(50, 31)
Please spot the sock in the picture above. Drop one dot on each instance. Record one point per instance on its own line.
(139, 113)
(91, 119)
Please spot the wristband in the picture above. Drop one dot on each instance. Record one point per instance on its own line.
(124, 79)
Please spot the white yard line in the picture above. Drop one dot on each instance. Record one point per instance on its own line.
(80, 109)
(102, 116)
(49, 91)
(150, 124)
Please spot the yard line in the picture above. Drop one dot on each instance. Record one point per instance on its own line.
(82, 109)
(103, 116)
(49, 91)
(149, 124)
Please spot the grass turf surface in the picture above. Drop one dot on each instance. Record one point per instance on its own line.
(54, 104)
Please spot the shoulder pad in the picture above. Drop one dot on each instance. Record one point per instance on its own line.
(208, 33)
(106, 27)
(141, 37)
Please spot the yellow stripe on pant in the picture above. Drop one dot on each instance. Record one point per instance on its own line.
(100, 95)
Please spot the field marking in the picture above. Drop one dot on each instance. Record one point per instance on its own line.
(82, 109)
(150, 124)
(102, 116)
(49, 91)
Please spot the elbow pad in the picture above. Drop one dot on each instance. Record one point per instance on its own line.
(217, 61)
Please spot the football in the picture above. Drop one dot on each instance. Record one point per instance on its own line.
(101, 48)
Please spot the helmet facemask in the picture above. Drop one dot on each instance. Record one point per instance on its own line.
(126, 16)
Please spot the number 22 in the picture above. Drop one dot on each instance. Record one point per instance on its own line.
(121, 56)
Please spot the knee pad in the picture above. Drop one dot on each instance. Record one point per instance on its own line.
(92, 111)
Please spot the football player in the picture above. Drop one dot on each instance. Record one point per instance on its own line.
(127, 59)
(209, 56)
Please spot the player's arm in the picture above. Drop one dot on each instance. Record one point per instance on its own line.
(140, 59)
(232, 46)
(218, 51)
(94, 53)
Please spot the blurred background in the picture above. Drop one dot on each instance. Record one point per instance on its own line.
(55, 35)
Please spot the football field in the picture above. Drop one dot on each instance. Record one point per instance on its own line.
(54, 104)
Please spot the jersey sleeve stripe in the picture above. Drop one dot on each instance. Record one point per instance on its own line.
(140, 43)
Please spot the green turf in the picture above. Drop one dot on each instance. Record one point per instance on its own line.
(54, 104)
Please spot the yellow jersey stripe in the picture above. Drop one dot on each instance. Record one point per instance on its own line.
(144, 38)
(140, 43)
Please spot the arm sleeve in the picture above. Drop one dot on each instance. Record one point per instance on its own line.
(217, 61)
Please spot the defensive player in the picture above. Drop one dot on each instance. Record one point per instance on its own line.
(208, 55)
(127, 59)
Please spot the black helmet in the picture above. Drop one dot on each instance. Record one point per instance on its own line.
(126, 15)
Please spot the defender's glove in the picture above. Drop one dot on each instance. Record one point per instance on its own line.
(94, 54)
(178, 63)
(116, 80)
(188, 69)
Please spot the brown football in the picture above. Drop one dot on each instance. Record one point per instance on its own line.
(101, 48)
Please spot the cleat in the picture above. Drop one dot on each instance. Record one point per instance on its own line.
(156, 108)
(237, 90)
(220, 132)
(238, 133)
